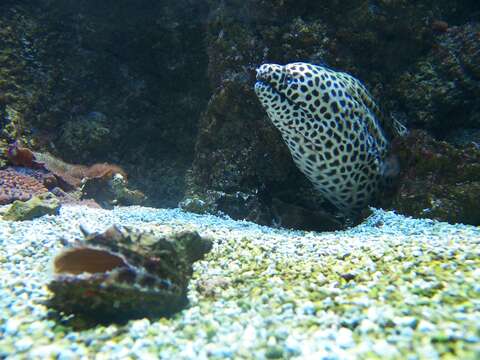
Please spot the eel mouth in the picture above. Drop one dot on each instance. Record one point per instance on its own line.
(278, 81)
(262, 80)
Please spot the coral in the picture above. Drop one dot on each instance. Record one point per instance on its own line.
(69, 176)
(45, 177)
(17, 186)
(38, 205)
(125, 273)
(104, 184)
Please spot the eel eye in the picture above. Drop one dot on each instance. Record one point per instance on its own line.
(288, 80)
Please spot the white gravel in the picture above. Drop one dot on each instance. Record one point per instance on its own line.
(393, 287)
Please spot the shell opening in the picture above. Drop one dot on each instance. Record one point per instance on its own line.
(86, 260)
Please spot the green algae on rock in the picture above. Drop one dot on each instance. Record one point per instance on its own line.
(125, 273)
(39, 205)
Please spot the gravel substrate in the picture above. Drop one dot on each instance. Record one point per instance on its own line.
(393, 287)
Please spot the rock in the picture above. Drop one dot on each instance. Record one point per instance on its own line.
(345, 338)
(438, 181)
(464, 137)
(39, 205)
(445, 82)
(237, 205)
(85, 85)
(125, 273)
(75, 96)
(86, 134)
(109, 191)
(124, 195)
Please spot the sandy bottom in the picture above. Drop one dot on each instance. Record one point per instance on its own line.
(392, 287)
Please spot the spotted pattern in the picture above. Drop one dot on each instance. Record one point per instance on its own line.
(330, 123)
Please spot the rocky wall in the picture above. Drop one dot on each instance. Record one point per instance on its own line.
(380, 42)
(156, 85)
(117, 81)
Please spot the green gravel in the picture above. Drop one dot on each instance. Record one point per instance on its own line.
(402, 302)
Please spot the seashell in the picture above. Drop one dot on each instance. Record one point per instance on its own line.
(125, 273)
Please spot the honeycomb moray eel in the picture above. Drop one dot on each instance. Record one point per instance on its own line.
(333, 129)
